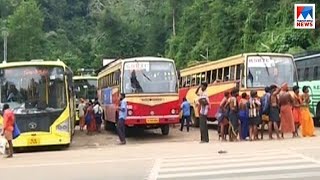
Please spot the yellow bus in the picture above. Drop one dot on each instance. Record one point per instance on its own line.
(85, 86)
(151, 88)
(246, 71)
(40, 93)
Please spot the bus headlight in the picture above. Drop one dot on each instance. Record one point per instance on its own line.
(173, 111)
(130, 112)
(64, 126)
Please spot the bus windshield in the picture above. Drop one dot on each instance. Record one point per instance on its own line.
(86, 88)
(149, 77)
(264, 71)
(33, 89)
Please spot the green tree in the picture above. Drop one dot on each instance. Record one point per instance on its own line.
(26, 34)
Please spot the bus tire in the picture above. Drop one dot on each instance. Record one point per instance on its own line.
(316, 118)
(108, 126)
(194, 119)
(165, 129)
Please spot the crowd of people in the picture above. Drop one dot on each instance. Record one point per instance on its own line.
(90, 116)
(241, 117)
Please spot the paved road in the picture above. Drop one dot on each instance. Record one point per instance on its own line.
(285, 159)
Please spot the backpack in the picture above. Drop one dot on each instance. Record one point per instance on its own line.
(98, 115)
(265, 104)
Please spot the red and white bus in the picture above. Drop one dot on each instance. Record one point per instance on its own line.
(151, 88)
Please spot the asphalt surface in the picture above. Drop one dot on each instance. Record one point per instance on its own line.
(177, 156)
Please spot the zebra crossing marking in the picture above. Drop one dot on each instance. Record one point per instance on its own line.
(244, 165)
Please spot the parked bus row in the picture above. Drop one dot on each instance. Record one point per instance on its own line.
(44, 94)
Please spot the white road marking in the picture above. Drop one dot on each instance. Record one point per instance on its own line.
(155, 169)
(276, 164)
(73, 163)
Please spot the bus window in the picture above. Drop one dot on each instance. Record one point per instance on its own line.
(226, 74)
(203, 77)
(181, 81)
(188, 81)
(220, 74)
(209, 80)
(306, 74)
(198, 79)
(193, 80)
(238, 72)
(214, 75)
(299, 71)
(315, 73)
(232, 73)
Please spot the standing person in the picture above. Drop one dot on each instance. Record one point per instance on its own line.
(97, 109)
(223, 116)
(204, 109)
(233, 115)
(203, 102)
(286, 116)
(274, 115)
(81, 110)
(185, 108)
(90, 119)
(8, 126)
(254, 117)
(122, 117)
(307, 125)
(296, 109)
(265, 110)
(244, 117)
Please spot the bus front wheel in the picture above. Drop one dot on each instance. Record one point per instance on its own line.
(195, 120)
(165, 129)
(317, 116)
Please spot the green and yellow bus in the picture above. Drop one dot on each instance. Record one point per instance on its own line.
(308, 67)
(40, 93)
(85, 85)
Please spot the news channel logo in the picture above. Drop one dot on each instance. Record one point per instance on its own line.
(304, 16)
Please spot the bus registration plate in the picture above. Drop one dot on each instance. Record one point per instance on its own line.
(152, 121)
(33, 141)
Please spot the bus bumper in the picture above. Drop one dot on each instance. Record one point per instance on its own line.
(41, 140)
(152, 120)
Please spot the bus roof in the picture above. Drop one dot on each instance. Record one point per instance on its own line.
(32, 63)
(117, 61)
(232, 60)
(300, 58)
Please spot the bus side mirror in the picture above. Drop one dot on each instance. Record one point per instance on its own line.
(178, 74)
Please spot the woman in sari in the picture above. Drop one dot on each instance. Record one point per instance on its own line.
(244, 117)
(91, 124)
(296, 109)
(286, 115)
(307, 125)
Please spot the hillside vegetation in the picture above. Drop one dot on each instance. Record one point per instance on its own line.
(82, 32)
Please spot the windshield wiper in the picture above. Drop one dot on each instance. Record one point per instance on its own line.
(265, 65)
(146, 76)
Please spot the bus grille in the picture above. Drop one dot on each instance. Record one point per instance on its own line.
(36, 122)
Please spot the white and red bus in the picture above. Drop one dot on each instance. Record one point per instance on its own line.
(151, 88)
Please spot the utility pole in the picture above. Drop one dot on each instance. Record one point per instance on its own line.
(5, 35)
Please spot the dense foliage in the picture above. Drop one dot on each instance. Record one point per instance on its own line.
(82, 32)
